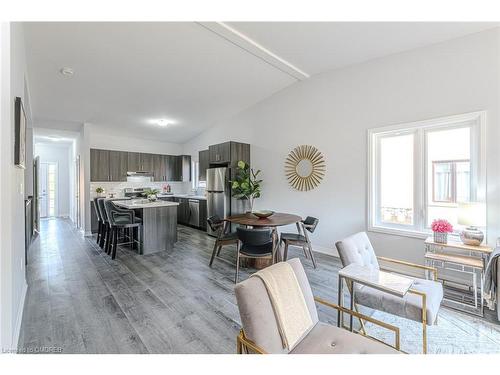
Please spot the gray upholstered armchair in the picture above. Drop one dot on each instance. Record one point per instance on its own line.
(420, 304)
(261, 332)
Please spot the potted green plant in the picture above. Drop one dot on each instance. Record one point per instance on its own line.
(151, 194)
(246, 185)
(99, 190)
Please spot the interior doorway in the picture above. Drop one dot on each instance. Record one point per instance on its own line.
(48, 190)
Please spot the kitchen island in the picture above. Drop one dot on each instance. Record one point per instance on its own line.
(159, 223)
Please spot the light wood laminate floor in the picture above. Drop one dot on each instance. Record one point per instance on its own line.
(81, 301)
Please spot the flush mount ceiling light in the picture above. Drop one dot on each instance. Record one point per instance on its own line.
(68, 72)
(163, 122)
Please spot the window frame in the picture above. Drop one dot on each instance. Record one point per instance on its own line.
(477, 123)
(453, 178)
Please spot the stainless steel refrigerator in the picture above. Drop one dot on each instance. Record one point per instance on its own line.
(218, 194)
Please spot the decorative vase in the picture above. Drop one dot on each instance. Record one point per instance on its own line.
(440, 237)
(152, 197)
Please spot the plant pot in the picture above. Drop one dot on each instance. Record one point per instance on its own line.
(152, 197)
(440, 237)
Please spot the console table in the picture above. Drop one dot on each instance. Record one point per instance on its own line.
(465, 260)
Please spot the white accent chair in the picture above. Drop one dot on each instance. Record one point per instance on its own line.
(260, 331)
(420, 304)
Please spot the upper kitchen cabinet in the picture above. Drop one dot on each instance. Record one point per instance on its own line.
(186, 168)
(229, 153)
(203, 164)
(220, 154)
(181, 168)
(118, 165)
(99, 165)
(134, 161)
(147, 163)
(159, 167)
(239, 151)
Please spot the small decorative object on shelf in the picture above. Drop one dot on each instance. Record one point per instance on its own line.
(151, 194)
(472, 215)
(99, 191)
(441, 228)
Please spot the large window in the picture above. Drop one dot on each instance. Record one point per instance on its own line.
(422, 171)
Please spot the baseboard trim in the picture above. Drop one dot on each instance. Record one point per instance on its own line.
(19, 319)
(325, 250)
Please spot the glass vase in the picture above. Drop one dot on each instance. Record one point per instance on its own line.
(440, 237)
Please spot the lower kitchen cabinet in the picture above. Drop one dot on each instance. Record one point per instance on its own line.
(203, 215)
(183, 211)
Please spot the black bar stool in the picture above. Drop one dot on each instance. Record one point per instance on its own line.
(120, 219)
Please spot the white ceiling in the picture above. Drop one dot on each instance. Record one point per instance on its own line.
(316, 47)
(128, 74)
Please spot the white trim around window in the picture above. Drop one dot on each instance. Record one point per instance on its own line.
(476, 121)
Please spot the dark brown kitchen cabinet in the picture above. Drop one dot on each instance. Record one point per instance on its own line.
(203, 215)
(181, 168)
(220, 153)
(118, 165)
(159, 168)
(170, 165)
(186, 168)
(203, 164)
(99, 165)
(147, 164)
(134, 161)
(183, 210)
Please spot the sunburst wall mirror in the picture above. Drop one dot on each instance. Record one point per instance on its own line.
(305, 167)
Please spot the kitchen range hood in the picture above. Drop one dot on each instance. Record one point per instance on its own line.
(139, 176)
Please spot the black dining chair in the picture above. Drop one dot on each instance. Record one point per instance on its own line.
(120, 219)
(100, 223)
(253, 244)
(224, 237)
(301, 238)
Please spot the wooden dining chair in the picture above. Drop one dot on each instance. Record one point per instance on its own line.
(301, 238)
(254, 244)
(224, 237)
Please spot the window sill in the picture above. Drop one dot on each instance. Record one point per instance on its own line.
(400, 232)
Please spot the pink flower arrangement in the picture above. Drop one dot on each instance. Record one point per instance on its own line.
(441, 226)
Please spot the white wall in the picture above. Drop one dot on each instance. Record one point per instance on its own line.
(333, 111)
(99, 138)
(53, 153)
(12, 270)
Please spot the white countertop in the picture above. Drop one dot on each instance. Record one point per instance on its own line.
(381, 280)
(199, 197)
(144, 203)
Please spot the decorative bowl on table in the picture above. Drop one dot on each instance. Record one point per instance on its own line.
(262, 214)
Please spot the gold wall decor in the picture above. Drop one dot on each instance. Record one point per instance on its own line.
(305, 167)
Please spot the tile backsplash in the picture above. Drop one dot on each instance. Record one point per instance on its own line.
(117, 188)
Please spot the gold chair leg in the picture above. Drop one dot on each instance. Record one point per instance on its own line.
(363, 329)
(238, 345)
(424, 337)
(424, 318)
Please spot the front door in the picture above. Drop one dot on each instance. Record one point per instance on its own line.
(48, 189)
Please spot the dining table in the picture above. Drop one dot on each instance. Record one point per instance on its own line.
(274, 221)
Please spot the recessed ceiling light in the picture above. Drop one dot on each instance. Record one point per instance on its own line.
(67, 71)
(163, 122)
